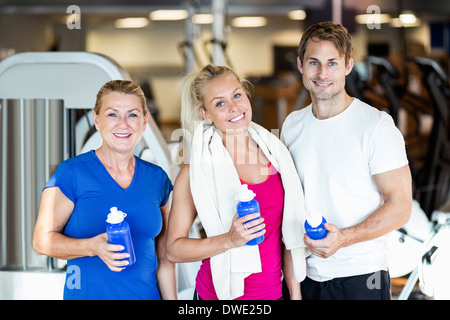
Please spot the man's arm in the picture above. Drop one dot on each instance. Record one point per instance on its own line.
(396, 190)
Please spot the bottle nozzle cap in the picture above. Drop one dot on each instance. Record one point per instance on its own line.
(245, 194)
(314, 219)
(115, 216)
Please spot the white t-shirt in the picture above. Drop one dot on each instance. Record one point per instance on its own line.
(335, 159)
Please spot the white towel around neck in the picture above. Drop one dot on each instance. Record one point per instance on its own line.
(214, 184)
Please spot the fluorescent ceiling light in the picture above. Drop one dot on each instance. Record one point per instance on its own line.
(372, 18)
(131, 23)
(203, 18)
(168, 15)
(297, 15)
(407, 18)
(248, 22)
(397, 23)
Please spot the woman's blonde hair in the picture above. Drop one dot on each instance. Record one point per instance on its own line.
(121, 86)
(193, 93)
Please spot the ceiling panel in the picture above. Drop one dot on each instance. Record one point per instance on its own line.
(441, 7)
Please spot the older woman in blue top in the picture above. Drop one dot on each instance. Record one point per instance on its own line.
(77, 198)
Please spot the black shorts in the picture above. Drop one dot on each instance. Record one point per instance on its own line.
(371, 286)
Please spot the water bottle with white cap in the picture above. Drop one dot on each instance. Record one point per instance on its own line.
(314, 226)
(248, 205)
(118, 231)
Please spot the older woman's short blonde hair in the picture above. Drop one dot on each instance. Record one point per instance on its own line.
(121, 86)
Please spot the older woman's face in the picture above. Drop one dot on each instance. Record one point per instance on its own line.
(121, 121)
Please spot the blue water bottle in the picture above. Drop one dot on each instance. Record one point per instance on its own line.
(248, 205)
(118, 231)
(314, 226)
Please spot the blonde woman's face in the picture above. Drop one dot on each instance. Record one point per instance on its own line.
(121, 121)
(227, 105)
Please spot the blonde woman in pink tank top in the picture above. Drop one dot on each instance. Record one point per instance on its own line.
(218, 96)
(265, 285)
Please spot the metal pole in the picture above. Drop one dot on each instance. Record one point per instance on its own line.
(337, 11)
(47, 139)
(22, 129)
(66, 134)
(409, 286)
(4, 158)
(188, 49)
(50, 260)
(218, 30)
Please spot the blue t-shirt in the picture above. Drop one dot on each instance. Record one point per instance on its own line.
(86, 182)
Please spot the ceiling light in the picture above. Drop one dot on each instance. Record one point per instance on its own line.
(248, 22)
(131, 23)
(168, 15)
(203, 18)
(407, 17)
(397, 23)
(372, 18)
(297, 15)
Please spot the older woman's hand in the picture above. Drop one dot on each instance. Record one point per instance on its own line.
(108, 252)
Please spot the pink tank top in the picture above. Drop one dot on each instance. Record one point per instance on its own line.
(265, 285)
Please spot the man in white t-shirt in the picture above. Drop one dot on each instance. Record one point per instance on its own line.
(352, 162)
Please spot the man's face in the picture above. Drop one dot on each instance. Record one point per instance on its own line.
(323, 69)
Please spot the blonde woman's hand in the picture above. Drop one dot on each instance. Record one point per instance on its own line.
(243, 230)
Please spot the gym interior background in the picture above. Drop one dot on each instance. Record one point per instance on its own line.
(401, 50)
